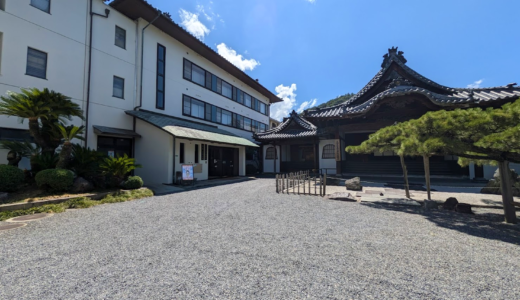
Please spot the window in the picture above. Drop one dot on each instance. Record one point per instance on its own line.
(247, 100)
(198, 75)
(262, 107)
(227, 90)
(181, 153)
(120, 37)
(187, 70)
(119, 87)
(1, 39)
(36, 63)
(247, 124)
(192, 107)
(226, 117)
(328, 152)
(44, 5)
(161, 73)
(20, 135)
(196, 153)
(2, 4)
(271, 153)
(204, 152)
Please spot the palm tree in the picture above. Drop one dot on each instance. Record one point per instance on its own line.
(44, 109)
(68, 133)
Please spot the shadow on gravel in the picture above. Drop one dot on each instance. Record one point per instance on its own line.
(486, 224)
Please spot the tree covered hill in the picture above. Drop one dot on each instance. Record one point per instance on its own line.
(337, 100)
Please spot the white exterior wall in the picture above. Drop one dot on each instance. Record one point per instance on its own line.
(154, 151)
(61, 34)
(109, 60)
(176, 85)
(269, 164)
(329, 164)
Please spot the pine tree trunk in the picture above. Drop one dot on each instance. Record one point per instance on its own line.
(507, 193)
(426, 160)
(405, 175)
(65, 155)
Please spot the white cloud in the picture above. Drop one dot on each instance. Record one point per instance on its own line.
(475, 84)
(306, 105)
(236, 59)
(192, 24)
(283, 109)
(311, 1)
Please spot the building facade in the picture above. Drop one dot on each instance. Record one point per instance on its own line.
(147, 87)
(397, 93)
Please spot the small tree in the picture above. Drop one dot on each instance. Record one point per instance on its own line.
(386, 139)
(68, 133)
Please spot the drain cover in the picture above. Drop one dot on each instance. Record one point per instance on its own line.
(7, 226)
(30, 217)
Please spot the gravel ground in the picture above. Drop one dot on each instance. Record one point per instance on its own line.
(244, 241)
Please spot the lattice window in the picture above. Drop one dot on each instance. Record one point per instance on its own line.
(329, 152)
(271, 153)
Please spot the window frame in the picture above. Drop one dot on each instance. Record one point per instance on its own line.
(158, 76)
(326, 151)
(236, 119)
(122, 90)
(27, 63)
(49, 11)
(269, 155)
(216, 86)
(115, 37)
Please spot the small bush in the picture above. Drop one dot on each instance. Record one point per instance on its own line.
(44, 161)
(117, 168)
(55, 180)
(133, 183)
(10, 178)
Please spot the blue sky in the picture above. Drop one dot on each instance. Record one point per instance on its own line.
(310, 51)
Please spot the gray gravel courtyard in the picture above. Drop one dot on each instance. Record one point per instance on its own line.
(244, 241)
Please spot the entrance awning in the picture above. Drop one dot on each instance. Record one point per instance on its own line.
(190, 130)
(114, 131)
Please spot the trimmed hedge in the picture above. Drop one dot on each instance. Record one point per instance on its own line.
(133, 183)
(10, 178)
(55, 180)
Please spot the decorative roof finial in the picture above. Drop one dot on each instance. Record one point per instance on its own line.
(393, 54)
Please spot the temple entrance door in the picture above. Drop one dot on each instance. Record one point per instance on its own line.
(223, 162)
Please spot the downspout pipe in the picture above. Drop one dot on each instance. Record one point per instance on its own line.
(142, 61)
(92, 14)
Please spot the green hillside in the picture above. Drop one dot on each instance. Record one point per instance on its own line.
(337, 100)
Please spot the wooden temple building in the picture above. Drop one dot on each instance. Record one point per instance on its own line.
(317, 139)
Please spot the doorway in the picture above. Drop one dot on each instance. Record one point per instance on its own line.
(223, 162)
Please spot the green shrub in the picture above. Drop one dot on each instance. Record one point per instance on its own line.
(133, 183)
(10, 178)
(117, 168)
(55, 180)
(44, 161)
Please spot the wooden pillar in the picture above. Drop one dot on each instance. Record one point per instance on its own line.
(316, 154)
(274, 160)
(338, 163)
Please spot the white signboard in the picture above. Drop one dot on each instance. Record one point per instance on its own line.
(187, 172)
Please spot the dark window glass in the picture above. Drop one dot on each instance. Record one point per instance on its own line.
(219, 115)
(240, 122)
(234, 93)
(247, 100)
(262, 108)
(197, 75)
(161, 74)
(328, 151)
(197, 109)
(209, 110)
(247, 124)
(187, 105)
(187, 70)
(213, 113)
(36, 63)
(181, 153)
(196, 153)
(270, 153)
(8, 134)
(219, 85)
(120, 37)
(226, 118)
(44, 5)
(118, 87)
(227, 90)
(208, 80)
(214, 83)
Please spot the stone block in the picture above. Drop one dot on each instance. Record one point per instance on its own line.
(353, 184)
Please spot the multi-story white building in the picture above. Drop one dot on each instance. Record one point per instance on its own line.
(148, 88)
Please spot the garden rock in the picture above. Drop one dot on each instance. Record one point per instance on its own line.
(353, 184)
(430, 204)
(463, 208)
(81, 185)
(450, 203)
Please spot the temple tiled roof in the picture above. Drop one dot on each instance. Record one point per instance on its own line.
(398, 85)
(293, 127)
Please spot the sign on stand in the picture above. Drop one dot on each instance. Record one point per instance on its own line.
(187, 172)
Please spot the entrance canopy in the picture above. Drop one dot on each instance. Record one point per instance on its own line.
(182, 128)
